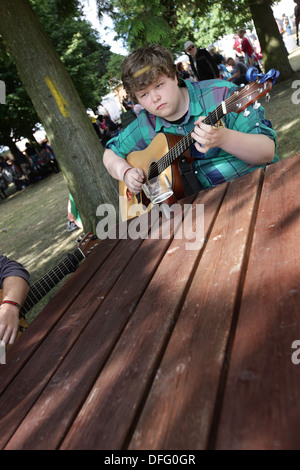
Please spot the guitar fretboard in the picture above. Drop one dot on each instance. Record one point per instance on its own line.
(182, 145)
(51, 279)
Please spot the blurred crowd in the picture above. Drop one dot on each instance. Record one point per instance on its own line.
(24, 168)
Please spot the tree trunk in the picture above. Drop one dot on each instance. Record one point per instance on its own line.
(69, 129)
(272, 45)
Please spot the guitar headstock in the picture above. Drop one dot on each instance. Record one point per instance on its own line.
(87, 243)
(248, 94)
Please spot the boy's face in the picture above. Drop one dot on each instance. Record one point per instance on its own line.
(162, 98)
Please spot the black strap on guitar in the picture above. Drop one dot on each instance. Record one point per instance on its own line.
(190, 183)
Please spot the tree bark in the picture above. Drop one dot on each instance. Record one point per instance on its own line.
(68, 127)
(272, 45)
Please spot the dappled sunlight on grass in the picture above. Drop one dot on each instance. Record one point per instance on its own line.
(284, 113)
(289, 125)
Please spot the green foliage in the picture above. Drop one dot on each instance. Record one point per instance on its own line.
(139, 23)
(171, 22)
(112, 77)
(78, 46)
(17, 116)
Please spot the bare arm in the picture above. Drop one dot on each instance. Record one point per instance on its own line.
(116, 167)
(237, 143)
(236, 75)
(14, 289)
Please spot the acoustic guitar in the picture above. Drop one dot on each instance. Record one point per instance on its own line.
(44, 285)
(162, 155)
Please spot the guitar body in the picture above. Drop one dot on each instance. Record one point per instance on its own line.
(143, 159)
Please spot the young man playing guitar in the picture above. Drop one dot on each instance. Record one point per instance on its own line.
(176, 106)
(14, 281)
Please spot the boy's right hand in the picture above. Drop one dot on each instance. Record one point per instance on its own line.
(134, 180)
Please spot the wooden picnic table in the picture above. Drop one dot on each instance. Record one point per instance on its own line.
(150, 345)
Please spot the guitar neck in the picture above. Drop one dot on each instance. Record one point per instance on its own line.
(187, 140)
(51, 279)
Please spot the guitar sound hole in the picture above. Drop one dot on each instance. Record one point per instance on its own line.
(152, 171)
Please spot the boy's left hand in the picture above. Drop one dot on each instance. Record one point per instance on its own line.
(207, 136)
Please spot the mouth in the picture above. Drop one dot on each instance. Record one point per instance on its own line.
(161, 106)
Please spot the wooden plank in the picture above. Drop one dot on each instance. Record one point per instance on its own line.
(72, 382)
(20, 352)
(179, 411)
(110, 409)
(23, 391)
(261, 403)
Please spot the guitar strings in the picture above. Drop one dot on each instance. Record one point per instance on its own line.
(159, 166)
(44, 285)
(181, 146)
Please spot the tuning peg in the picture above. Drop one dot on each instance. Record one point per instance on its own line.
(246, 113)
(252, 74)
(80, 238)
(256, 105)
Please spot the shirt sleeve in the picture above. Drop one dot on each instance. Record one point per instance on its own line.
(253, 123)
(130, 139)
(10, 268)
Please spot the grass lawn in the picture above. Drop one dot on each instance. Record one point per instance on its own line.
(33, 221)
(284, 113)
(33, 229)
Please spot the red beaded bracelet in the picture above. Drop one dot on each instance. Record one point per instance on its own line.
(130, 168)
(11, 303)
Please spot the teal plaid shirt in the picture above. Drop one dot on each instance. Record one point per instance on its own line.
(216, 166)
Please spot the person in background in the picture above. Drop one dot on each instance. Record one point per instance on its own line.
(3, 182)
(224, 74)
(14, 282)
(297, 19)
(74, 222)
(49, 157)
(238, 73)
(237, 45)
(251, 58)
(181, 72)
(203, 65)
(286, 27)
(22, 161)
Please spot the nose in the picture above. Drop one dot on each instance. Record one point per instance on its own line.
(155, 96)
